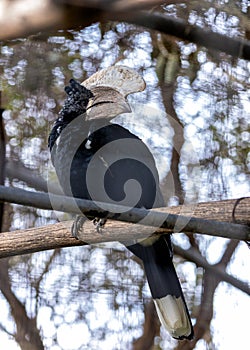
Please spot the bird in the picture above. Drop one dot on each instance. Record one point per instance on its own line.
(99, 160)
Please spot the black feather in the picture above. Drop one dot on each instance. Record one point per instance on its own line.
(100, 140)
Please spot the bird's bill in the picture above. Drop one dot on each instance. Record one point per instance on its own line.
(121, 78)
(107, 103)
(110, 87)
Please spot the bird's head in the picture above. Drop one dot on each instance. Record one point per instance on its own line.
(110, 88)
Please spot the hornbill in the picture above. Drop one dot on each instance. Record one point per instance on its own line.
(99, 160)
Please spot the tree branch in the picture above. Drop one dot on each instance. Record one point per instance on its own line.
(213, 275)
(21, 21)
(151, 329)
(59, 236)
(172, 26)
(194, 256)
(149, 218)
(167, 70)
(27, 333)
(2, 157)
(17, 170)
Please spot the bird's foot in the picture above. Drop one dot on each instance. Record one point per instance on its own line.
(79, 221)
(99, 223)
(78, 225)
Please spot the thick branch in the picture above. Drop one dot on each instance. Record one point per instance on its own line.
(21, 21)
(59, 236)
(17, 170)
(148, 218)
(167, 84)
(27, 334)
(235, 47)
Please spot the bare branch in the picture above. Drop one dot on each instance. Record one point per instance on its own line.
(22, 18)
(17, 170)
(27, 334)
(53, 15)
(228, 253)
(193, 255)
(213, 275)
(167, 84)
(149, 218)
(119, 5)
(37, 239)
(235, 47)
(151, 328)
(2, 158)
(59, 236)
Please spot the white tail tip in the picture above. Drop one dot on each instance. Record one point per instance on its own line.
(173, 316)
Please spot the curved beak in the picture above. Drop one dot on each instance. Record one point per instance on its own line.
(107, 103)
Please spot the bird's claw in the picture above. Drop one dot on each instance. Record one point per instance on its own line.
(79, 222)
(99, 223)
(77, 225)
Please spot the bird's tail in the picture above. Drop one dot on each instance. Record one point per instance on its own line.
(165, 286)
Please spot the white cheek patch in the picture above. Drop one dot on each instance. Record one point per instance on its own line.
(88, 144)
(58, 140)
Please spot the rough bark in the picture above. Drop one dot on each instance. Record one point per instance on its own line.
(151, 219)
(59, 235)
